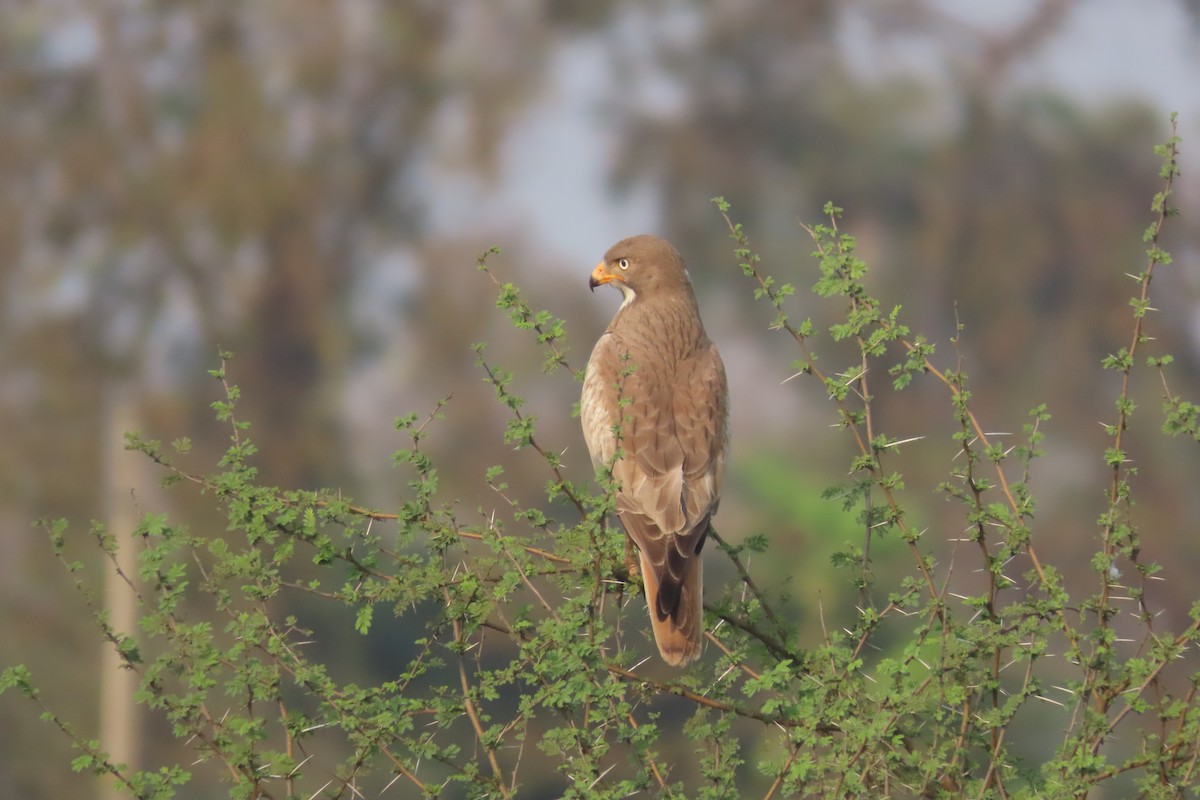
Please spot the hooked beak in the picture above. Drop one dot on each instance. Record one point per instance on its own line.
(600, 276)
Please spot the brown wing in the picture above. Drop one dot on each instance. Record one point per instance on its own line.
(674, 432)
(701, 411)
(598, 405)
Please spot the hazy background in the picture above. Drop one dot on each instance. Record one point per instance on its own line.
(308, 184)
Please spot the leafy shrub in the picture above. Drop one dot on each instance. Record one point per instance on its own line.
(520, 680)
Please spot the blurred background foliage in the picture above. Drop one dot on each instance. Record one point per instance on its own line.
(307, 183)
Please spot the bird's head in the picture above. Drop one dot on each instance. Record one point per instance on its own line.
(641, 266)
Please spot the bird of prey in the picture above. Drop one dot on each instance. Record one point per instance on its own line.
(655, 408)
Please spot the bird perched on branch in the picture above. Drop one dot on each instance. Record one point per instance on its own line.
(655, 408)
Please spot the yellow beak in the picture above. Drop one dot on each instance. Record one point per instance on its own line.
(601, 276)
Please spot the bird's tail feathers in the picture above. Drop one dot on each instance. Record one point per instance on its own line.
(679, 634)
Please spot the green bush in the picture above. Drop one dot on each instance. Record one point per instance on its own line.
(516, 676)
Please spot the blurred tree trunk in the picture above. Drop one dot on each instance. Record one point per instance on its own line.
(120, 717)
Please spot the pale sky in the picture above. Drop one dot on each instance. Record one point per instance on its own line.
(1107, 50)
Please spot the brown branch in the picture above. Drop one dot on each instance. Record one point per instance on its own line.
(469, 704)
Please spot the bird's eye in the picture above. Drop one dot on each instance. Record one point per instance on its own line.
(623, 263)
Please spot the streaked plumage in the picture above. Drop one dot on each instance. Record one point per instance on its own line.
(656, 356)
